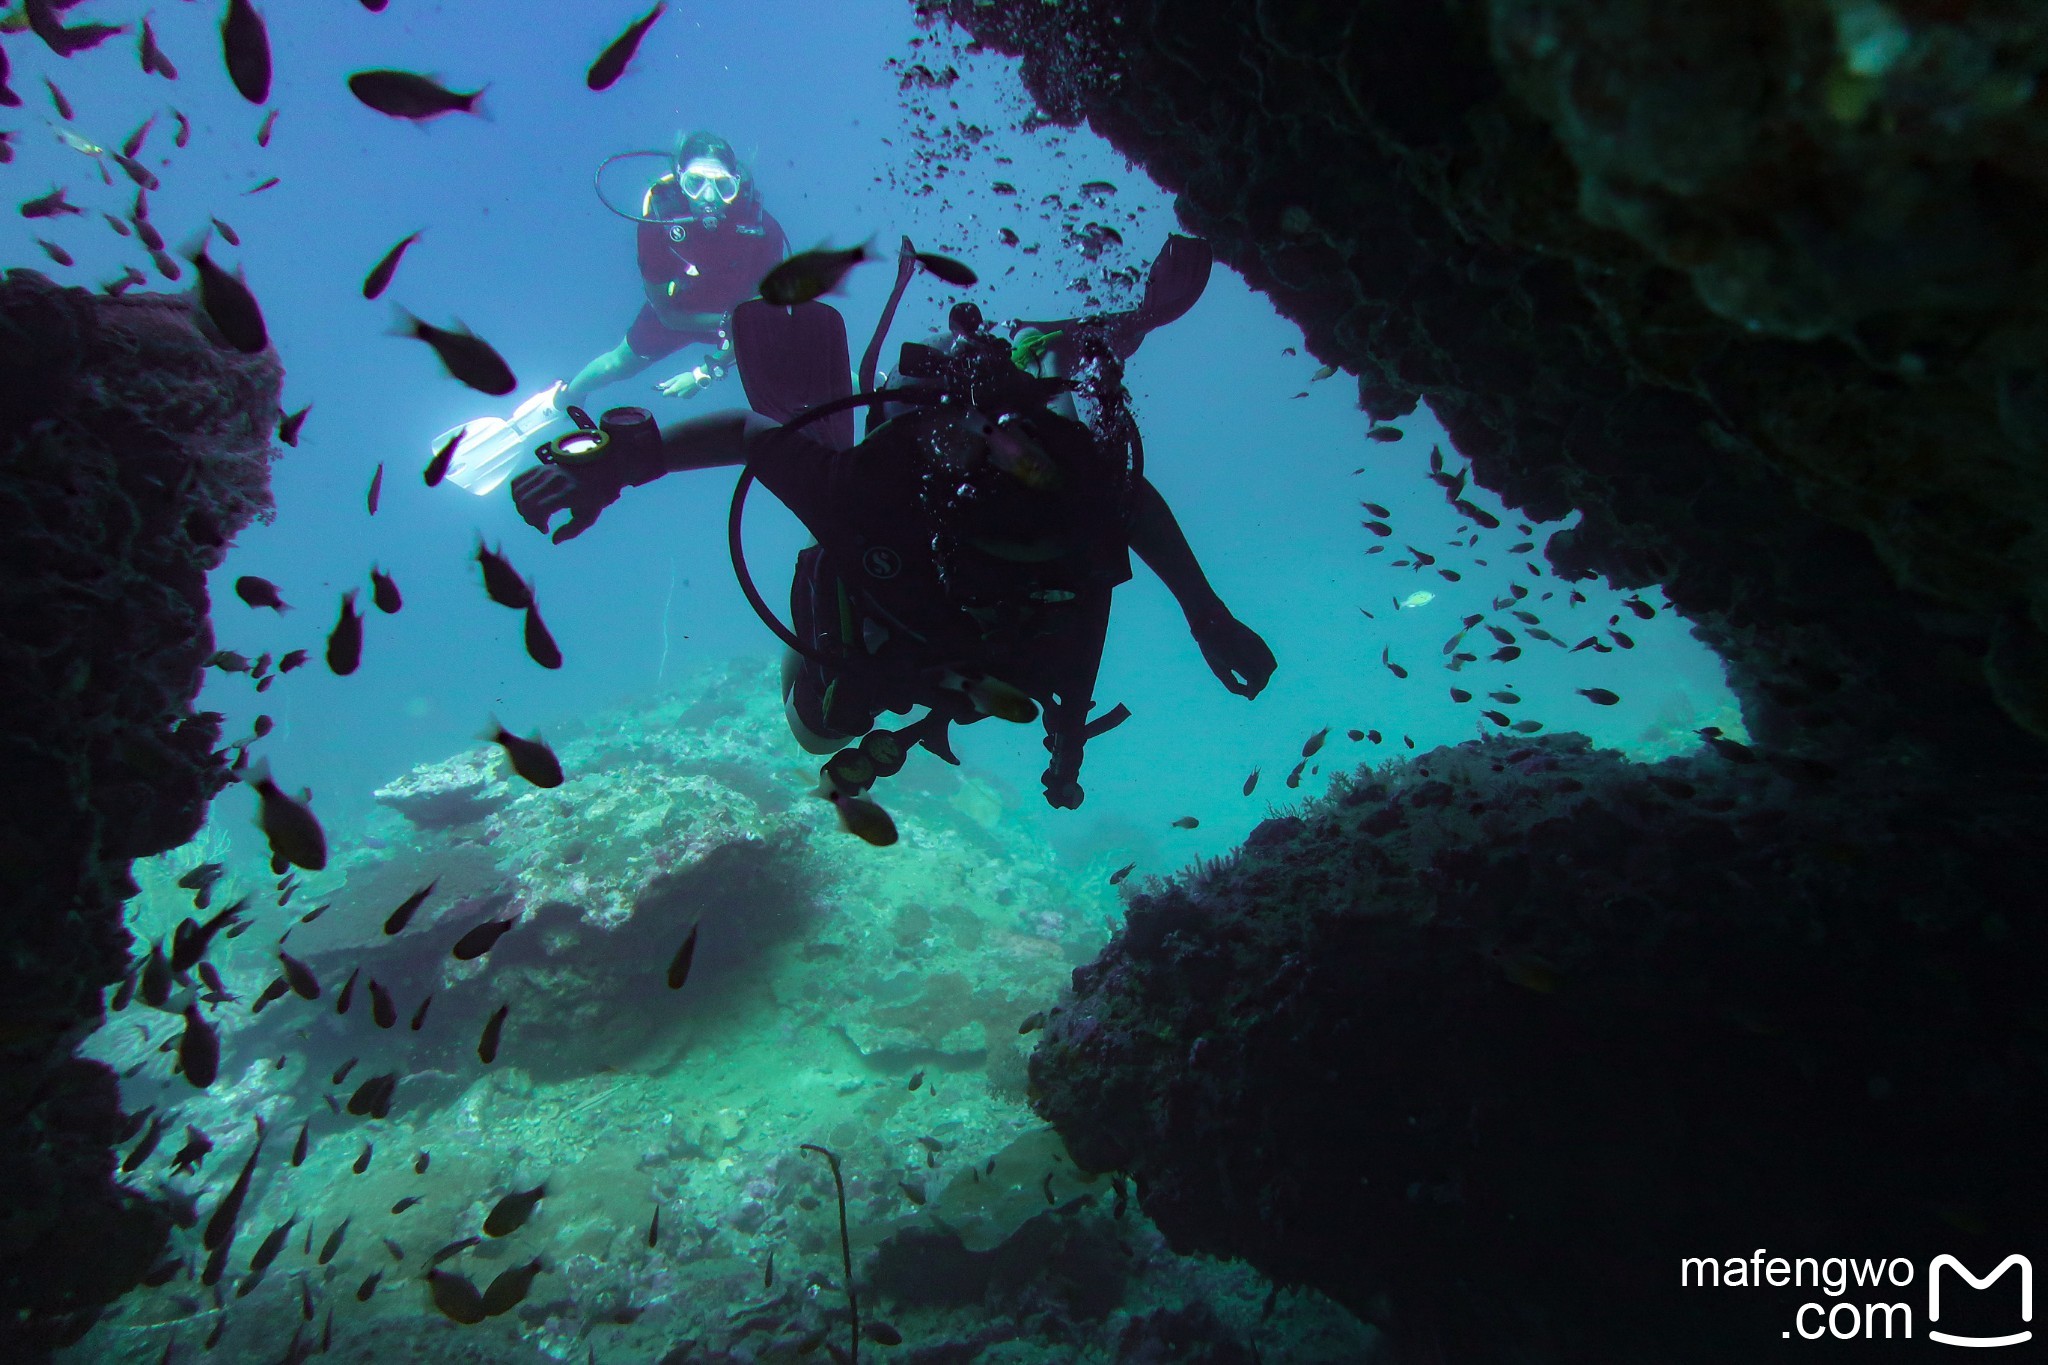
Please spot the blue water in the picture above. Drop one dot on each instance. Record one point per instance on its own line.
(518, 246)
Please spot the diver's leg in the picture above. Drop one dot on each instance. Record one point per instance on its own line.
(798, 681)
(620, 362)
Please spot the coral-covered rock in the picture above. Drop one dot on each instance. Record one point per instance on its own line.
(1499, 1034)
(132, 449)
(454, 792)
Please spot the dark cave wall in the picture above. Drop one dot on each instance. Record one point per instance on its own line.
(1761, 298)
(132, 449)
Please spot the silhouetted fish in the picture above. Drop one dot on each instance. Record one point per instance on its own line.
(611, 63)
(380, 274)
(345, 641)
(246, 46)
(405, 94)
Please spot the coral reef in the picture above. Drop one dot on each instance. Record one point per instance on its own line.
(133, 449)
(1756, 289)
(1482, 1043)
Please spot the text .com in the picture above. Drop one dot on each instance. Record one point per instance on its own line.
(1867, 1296)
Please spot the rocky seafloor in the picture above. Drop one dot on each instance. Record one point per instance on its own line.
(868, 1000)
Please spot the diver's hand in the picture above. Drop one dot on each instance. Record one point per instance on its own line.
(540, 493)
(685, 385)
(1234, 652)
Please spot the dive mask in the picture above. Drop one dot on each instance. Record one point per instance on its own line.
(707, 181)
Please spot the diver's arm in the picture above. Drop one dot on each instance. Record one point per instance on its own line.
(1156, 537)
(793, 467)
(1234, 652)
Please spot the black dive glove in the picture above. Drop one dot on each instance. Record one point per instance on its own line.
(1234, 652)
(585, 488)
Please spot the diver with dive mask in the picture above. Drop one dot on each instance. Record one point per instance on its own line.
(967, 548)
(703, 243)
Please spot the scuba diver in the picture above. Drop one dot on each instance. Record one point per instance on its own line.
(704, 242)
(966, 549)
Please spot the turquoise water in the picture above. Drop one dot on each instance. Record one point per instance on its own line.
(871, 964)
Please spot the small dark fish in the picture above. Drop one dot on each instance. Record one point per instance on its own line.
(916, 1079)
(300, 1147)
(384, 592)
(198, 1050)
(144, 1149)
(348, 993)
(1187, 822)
(1498, 718)
(509, 1289)
(396, 1251)
(1526, 727)
(768, 1271)
(197, 1145)
(369, 1286)
(480, 939)
(295, 659)
(382, 1011)
(294, 834)
(679, 965)
(437, 468)
(146, 232)
(303, 983)
(1386, 662)
(530, 758)
(420, 1163)
(220, 1227)
(289, 423)
(135, 170)
(1251, 782)
(51, 205)
(271, 183)
(154, 62)
(1294, 775)
(540, 645)
(865, 819)
(402, 916)
(1354, 735)
(882, 1333)
(419, 1016)
(119, 226)
(263, 133)
(509, 1214)
(402, 1205)
(1116, 877)
(272, 1244)
(403, 94)
(373, 1097)
(808, 274)
(1384, 434)
(1619, 638)
(228, 304)
(1599, 696)
(184, 133)
(377, 487)
(259, 592)
(1506, 698)
(1506, 654)
(947, 269)
(455, 1248)
(62, 105)
(1641, 608)
(1378, 528)
(380, 274)
(363, 1161)
(246, 45)
(1313, 745)
(654, 1227)
(1376, 509)
(501, 581)
(1460, 695)
(55, 252)
(611, 63)
(465, 355)
(275, 991)
(345, 641)
(456, 1297)
(487, 1046)
(1032, 1023)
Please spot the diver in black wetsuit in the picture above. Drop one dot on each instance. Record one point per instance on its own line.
(967, 548)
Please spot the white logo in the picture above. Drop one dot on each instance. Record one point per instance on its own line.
(881, 562)
(2026, 1298)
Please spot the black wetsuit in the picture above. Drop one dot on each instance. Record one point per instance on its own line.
(686, 269)
(895, 592)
